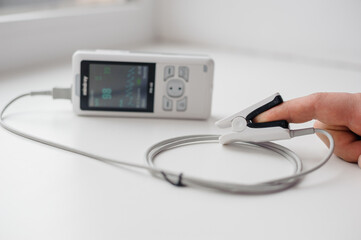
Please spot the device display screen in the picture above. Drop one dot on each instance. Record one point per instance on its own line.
(117, 86)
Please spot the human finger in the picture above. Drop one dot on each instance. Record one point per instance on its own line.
(347, 143)
(330, 108)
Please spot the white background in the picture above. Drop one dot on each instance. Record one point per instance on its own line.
(49, 194)
(318, 29)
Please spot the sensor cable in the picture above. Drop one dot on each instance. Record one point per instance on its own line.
(181, 179)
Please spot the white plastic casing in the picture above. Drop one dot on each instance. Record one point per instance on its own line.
(197, 89)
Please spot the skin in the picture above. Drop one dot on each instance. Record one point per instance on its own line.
(338, 113)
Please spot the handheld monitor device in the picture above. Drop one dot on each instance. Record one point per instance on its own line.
(123, 83)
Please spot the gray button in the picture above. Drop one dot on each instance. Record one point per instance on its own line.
(182, 104)
(183, 72)
(168, 72)
(175, 88)
(167, 104)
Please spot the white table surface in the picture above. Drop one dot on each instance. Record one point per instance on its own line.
(47, 193)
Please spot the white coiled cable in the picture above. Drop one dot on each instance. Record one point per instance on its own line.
(181, 179)
(274, 185)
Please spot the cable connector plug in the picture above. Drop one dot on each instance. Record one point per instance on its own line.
(61, 93)
(301, 132)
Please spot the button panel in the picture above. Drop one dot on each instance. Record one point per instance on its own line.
(176, 78)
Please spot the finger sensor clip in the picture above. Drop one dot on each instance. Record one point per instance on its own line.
(244, 129)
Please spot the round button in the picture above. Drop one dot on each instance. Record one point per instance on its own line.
(175, 88)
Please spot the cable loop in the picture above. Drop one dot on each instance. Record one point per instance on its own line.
(257, 188)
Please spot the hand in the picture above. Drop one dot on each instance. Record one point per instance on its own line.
(338, 113)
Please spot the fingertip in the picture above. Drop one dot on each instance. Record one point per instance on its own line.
(297, 110)
(269, 115)
(260, 118)
(359, 161)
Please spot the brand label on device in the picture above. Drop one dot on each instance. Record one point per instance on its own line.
(85, 86)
